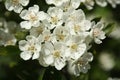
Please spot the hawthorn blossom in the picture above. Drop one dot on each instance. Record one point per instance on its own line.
(75, 48)
(54, 54)
(61, 33)
(36, 31)
(47, 36)
(113, 2)
(32, 17)
(97, 33)
(75, 16)
(7, 39)
(80, 28)
(30, 48)
(16, 5)
(54, 17)
(110, 78)
(8, 31)
(88, 3)
(56, 2)
(106, 61)
(102, 3)
(80, 65)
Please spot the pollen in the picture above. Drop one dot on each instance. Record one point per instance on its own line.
(32, 48)
(15, 2)
(76, 28)
(74, 47)
(96, 32)
(56, 54)
(61, 37)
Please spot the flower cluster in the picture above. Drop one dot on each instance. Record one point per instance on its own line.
(7, 32)
(16, 5)
(90, 3)
(104, 3)
(61, 36)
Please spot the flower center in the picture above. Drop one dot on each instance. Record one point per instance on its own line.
(61, 37)
(96, 32)
(54, 20)
(73, 47)
(56, 54)
(40, 30)
(10, 42)
(76, 28)
(15, 2)
(32, 49)
(47, 37)
(33, 17)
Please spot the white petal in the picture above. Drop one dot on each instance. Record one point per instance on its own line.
(24, 2)
(26, 55)
(36, 55)
(102, 3)
(9, 5)
(41, 15)
(35, 23)
(59, 64)
(98, 41)
(41, 61)
(24, 15)
(75, 3)
(25, 24)
(35, 8)
(23, 45)
(49, 46)
(18, 8)
(49, 59)
(49, 1)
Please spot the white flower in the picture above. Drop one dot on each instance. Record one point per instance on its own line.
(107, 61)
(7, 39)
(16, 5)
(32, 17)
(88, 3)
(30, 47)
(75, 16)
(75, 48)
(110, 78)
(54, 17)
(80, 28)
(70, 5)
(81, 65)
(114, 2)
(41, 58)
(61, 33)
(56, 2)
(46, 35)
(8, 30)
(102, 3)
(36, 31)
(97, 33)
(75, 3)
(54, 55)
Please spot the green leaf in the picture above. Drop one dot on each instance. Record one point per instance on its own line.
(21, 34)
(42, 74)
(97, 19)
(109, 28)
